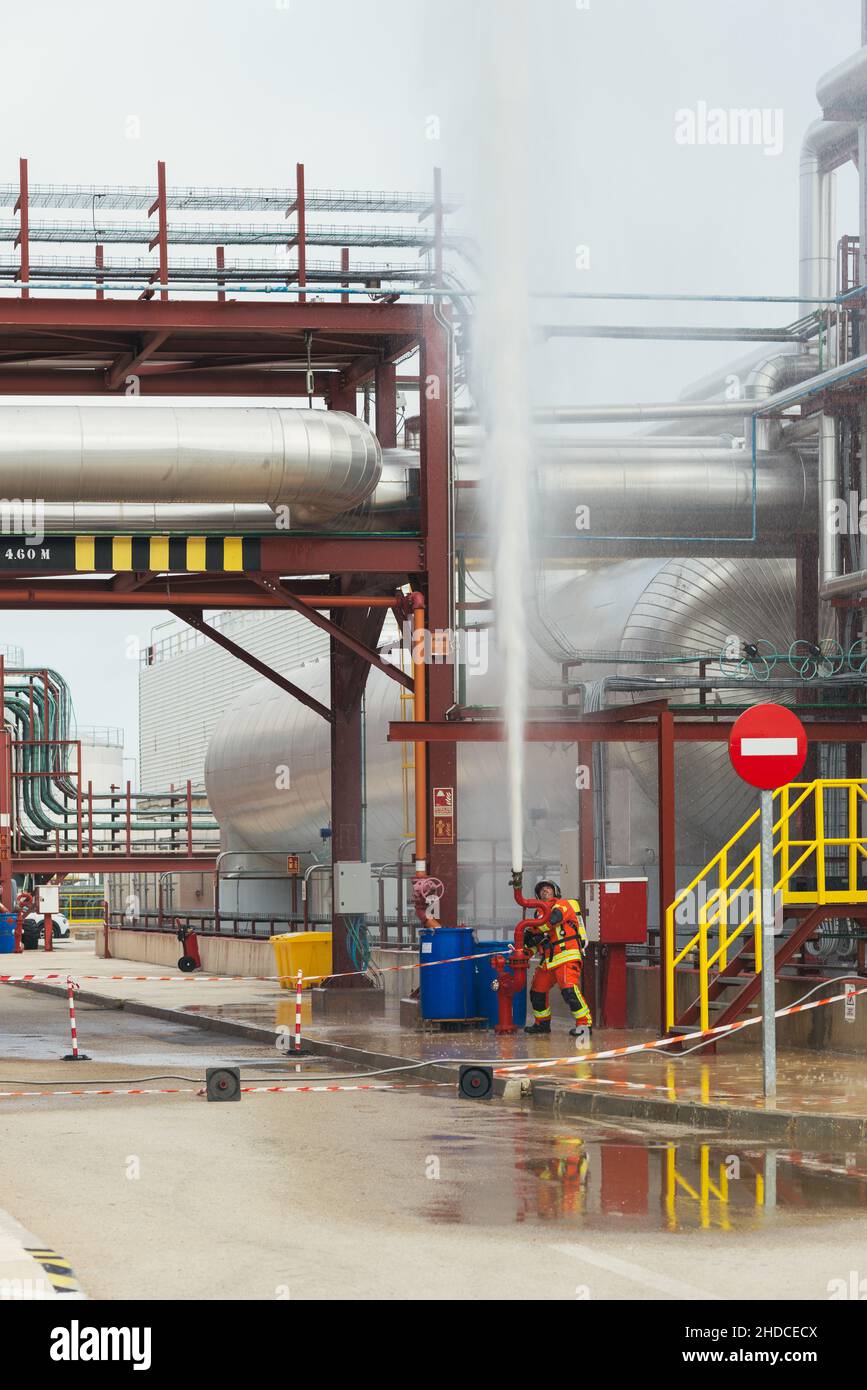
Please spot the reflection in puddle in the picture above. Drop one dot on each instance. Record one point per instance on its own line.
(657, 1185)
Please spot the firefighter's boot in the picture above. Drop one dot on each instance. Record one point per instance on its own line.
(540, 1027)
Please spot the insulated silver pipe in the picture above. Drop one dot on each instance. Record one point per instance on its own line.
(654, 494)
(624, 490)
(624, 414)
(829, 494)
(318, 463)
(842, 92)
(826, 145)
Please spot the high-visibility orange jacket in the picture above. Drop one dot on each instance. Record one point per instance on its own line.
(565, 936)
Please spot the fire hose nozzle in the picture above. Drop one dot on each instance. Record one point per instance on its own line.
(517, 880)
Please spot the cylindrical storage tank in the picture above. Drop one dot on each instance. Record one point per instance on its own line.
(8, 922)
(650, 609)
(485, 996)
(446, 991)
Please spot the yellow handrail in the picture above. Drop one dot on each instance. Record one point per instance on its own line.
(735, 879)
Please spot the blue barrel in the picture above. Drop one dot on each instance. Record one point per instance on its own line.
(484, 975)
(446, 990)
(8, 921)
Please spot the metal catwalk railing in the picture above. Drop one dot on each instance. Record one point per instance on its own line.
(819, 849)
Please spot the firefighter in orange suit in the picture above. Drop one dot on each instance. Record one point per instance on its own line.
(561, 944)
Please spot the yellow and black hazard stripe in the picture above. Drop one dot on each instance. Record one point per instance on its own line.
(59, 1271)
(178, 554)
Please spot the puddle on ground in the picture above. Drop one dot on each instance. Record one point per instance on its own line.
(596, 1179)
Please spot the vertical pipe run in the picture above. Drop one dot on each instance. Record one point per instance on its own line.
(420, 755)
(667, 868)
(829, 495)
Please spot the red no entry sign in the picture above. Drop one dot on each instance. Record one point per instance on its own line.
(768, 746)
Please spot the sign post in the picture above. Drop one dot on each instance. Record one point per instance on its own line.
(768, 748)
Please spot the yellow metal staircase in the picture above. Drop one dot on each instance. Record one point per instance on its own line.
(819, 849)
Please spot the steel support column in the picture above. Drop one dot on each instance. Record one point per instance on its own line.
(348, 678)
(666, 846)
(196, 621)
(439, 551)
(22, 240)
(341, 397)
(6, 812)
(587, 858)
(386, 405)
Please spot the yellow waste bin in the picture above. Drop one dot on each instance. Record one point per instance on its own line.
(307, 951)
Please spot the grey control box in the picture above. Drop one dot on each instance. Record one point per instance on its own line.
(353, 889)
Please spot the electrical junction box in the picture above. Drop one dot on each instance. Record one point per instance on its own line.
(48, 896)
(353, 889)
(615, 910)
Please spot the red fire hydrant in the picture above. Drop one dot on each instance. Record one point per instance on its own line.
(511, 971)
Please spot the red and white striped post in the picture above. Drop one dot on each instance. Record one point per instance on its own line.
(74, 1055)
(299, 986)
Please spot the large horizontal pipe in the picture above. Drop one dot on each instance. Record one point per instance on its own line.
(587, 730)
(842, 92)
(318, 463)
(634, 413)
(661, 494)
(640, 491)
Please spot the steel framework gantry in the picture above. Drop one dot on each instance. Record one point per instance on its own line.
(181, 346)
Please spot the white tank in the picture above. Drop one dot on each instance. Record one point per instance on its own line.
(643, 607)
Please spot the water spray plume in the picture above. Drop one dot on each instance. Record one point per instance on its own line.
(505, 359)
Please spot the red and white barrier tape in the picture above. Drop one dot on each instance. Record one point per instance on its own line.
(199, 1091)
(525, 1064)
(42, 976)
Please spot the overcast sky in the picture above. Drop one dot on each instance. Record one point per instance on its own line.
(235, 91)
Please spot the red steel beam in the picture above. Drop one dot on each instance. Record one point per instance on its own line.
(168, 381)
(666, 852)
(182, 315)
(386, 405)
(272, 586)
(22, 207)
(344, 266)
(108, 863)
(221, 280)
(92, 595)
(341, 555)
(159, 206)
(580, 730)
(299, 207)
(99, 261)
(196, 621)
(129, 361)
(301, 210)
(435, 460)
